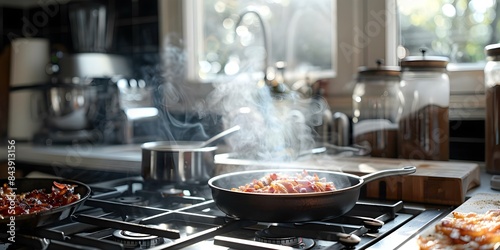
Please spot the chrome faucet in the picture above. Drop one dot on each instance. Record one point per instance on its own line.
(267, 48)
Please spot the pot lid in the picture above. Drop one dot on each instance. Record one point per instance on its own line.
(424, 62)
(176, 146)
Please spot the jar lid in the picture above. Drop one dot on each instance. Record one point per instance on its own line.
(492, 49)
(379, 71)
(424, 62)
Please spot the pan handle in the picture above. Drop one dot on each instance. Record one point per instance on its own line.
(390, 172)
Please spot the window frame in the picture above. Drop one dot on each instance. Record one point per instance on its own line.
(352, 18)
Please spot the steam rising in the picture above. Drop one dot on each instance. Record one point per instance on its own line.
(178, 119)
(271, 128)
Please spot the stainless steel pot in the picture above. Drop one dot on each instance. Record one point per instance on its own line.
(177, 161)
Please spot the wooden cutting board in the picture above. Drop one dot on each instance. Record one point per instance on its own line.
(435, 182)
(479, 203)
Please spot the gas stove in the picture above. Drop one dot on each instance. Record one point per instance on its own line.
(129, 213)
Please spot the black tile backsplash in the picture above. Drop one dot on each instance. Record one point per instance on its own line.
(146, 7)
(123, 39)
(57, 16)
(123, 9)
(145, 37)
(467, 140)
(12, 19)
(135, 26)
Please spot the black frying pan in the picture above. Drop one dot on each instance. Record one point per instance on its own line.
(296, 207)
(31, 221)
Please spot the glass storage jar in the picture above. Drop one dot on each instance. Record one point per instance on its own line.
(376, 110)
(424, 124)
(492, 117)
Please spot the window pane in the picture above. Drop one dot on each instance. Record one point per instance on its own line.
(299, 33)
(458, 29)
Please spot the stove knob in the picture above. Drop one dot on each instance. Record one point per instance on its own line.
(348, 240)
(373, 225)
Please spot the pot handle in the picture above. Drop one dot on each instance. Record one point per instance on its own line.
(390, 172)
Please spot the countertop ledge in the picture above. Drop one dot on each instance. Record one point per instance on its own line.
(127, 159)
(115, 158)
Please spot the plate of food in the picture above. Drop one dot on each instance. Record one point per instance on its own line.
(473, 225)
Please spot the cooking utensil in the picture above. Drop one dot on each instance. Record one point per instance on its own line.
(218, 136)
(32, 221)
(177, 161)
(313, 151)
(356, 150)
(181, 161)
(296, 207)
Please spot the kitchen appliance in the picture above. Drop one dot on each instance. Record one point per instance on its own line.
(82, 100)
(130, 213)
(136, 99)
(91, 65)
(92, 96)
(86, 110)
(69, 106)
(424, 124)
(98, 110)
(92, 26)
(27, 73)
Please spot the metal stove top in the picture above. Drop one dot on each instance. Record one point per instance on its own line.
(130, 214)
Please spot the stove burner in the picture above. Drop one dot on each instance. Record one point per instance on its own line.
(291, 241)
(172, 192)
(130, 199)
(133, 240)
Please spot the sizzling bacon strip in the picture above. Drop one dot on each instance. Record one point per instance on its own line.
(281, 183)
(465, 231)
(36, 200)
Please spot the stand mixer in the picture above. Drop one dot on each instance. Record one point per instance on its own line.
(83, 101)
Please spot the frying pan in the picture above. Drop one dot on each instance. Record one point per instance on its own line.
(31, 221)
(293, 207)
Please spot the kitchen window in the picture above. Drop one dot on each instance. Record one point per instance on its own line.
(458, 29)
(349, 33)
(228, 37)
